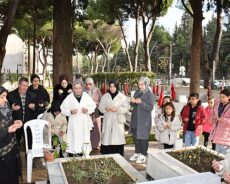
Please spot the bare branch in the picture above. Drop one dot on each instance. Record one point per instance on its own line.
(187, 9)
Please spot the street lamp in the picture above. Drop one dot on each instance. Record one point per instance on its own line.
(170, 63)
(17, 69)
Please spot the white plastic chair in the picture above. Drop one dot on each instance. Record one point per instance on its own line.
(37, 127)
(40, 116)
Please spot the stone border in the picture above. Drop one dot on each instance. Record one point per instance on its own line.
(161, 165)
(56, 176)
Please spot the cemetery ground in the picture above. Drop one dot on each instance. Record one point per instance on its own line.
(40, 172)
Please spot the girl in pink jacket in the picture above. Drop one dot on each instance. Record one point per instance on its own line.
(207, 126)
(220, 133)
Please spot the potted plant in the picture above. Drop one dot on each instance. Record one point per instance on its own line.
(57, 150)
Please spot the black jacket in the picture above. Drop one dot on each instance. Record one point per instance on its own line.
(41, 96)
(61, 97)
(14, 97)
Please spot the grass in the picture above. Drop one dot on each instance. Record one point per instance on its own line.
(129, 138)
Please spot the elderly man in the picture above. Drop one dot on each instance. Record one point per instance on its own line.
(78, 106)
(22, 102)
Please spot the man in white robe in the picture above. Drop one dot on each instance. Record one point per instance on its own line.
(78, 106)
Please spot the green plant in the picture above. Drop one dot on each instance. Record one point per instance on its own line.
(100, 171)
(198, 158)
(58, 145)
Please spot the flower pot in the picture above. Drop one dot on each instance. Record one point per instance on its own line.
(48, 156)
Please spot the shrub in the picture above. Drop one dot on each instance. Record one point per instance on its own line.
(122, 77)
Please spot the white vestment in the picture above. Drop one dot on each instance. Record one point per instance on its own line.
(79, 124)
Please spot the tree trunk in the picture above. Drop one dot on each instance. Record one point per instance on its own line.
(34, 38)
(147, 39)
(45, 56)
(95, 58)
(217, 39)
(97, 65)
(135, 54)
(196, 46)
(6, 28)
(147, 44)
(115, 63)
(104, 64)
(106, 48)
(107, 61)
(206, 70)
(62, 43)
(91, 64)
(146, 56)
(126, 47)
(28, 60)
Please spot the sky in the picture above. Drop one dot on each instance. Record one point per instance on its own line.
(169, 21)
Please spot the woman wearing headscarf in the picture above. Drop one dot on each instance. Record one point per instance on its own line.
(113, 105)
(57, 120)
(62, 89)
(10, 162)
(95, 94)
(78, 106)
(141, 119)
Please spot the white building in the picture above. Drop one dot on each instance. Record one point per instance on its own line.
(14, 58)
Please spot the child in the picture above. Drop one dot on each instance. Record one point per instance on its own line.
(193, 116)
(207, 126)
(159, 112)
(220, 133)
(168, 125)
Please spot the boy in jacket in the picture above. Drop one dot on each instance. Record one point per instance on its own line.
(193, 116)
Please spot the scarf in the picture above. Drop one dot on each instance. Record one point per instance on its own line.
(113, 95)
(221, 109)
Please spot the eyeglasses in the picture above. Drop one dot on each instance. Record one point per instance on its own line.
(88, 84)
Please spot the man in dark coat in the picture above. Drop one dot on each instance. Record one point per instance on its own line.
(22, 103)
(42, 98)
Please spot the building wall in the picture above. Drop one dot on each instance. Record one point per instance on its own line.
(14, 55)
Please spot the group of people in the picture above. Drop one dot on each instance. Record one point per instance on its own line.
(76, 112)
(213, 122)
(84, 107)
(16, 108)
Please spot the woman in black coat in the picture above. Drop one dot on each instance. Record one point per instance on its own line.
(62, 89)
(42, 98)
(10, 162)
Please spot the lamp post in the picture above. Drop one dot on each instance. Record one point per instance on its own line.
(17, 69)
(170, 63)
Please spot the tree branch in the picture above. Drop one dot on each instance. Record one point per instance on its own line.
(187, 9)
(39, 54)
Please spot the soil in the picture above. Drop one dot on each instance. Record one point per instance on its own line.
(95, 171)
(198, 159)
